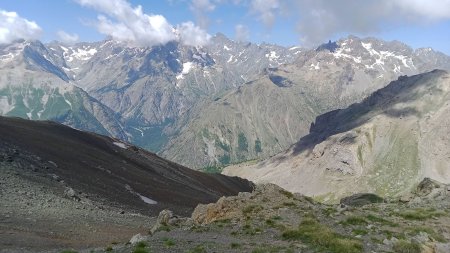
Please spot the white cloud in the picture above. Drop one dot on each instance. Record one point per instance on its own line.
(321, 19)
(125, 23)
(266, 10)
(13, 27)
(200, 8)
(131, 24)
(242, 33)
(192, 35)
(432, 9)
(316, 20)
(67, 37)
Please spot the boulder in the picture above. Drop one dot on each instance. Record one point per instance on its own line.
(138, 238)
(426, 187)
(163, 219)
(361, 199)
(70, 193)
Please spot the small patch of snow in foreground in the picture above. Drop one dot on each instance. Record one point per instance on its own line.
(147, 200)
(120, 145)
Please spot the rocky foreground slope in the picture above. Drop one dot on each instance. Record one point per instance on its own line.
(64, 187)
(271, 219)
(385, 144)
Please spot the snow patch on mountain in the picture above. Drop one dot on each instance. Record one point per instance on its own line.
(147, 200)
(7, 57)
(83, 54)
(187, 66)
(273, 56)
(120, 144)
(341, 53)
(368, 47)
(315, 66)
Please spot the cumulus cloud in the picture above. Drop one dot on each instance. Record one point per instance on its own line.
(266, 10)
(321, 19)
(67, 37)
(242, 33)
(13, 27)
(200, 8)
(431, 9)
(124, 23)
(192, 35)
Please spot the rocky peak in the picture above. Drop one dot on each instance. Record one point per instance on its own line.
(330, 46)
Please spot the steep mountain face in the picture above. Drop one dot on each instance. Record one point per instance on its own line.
(33, 86)
(152, 88)
(267, 115)
(386, 144)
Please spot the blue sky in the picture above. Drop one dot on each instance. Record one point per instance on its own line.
(286, 23)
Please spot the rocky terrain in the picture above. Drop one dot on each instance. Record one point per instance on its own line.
(61, 187)
(271, 219)
(386, 144)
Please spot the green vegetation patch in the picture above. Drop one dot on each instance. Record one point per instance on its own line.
(251, 209)
(235, 245)
(380, 220)
(225, 159)
(403, 246)
(212, 169)
(354, 220)
(420, 214)
(287, 194)
(141, 247)
(198, 249)
(258, 148)
(168, 242)
(323, 238)
(242, 142)
(430, 231)
(249, 230)
(358, 231)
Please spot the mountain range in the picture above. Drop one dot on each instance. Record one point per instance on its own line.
(223, 103)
